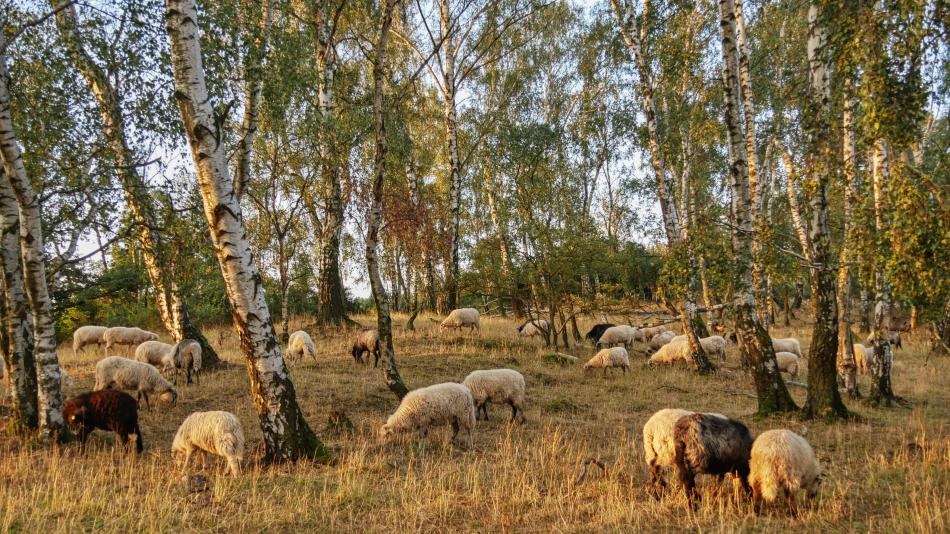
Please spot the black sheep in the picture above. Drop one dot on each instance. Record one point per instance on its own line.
(598, 330)
(106, 409)
(713, 445)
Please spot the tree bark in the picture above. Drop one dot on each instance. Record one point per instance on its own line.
(450, 46)
(48, 372)
(754, 340)
(881, 393)
(17, 321)
(847, 368)
(286, 434)
(171, 306)
(254, 83)
(375, 217)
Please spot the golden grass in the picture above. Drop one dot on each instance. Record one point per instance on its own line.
(517, 478)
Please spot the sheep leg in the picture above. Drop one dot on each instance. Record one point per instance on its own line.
(484, 407)
(376, 361)
(792, 507)
(656, 480)
(234, 466)
(514, 411)
(757, 499)
(688, 480)
(184, 463)
(455, 429)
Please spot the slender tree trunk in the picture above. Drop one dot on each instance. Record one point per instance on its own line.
(847, 368)
(171, 305)
(375, 217)
(754, 340)
(48, 372)
(450, 86)
(286, 434)
(881, 393)
(17, 321)
(793, 207)
(253, 85)
(865, 325)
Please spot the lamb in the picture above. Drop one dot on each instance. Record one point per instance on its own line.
(661, 339)
(88, 335)
(598, 330)
(461, 318)
(618, 334)
(107, 410)
(782, 462)
(141, 377)
(649, 332)
(366, 341)
(213, 432)
(501, 386)
(537, 327)
(120, 335)
(863, 358)
(787, 362)
(440, 404)
(607, 358)
(300, 345)
(893, 337)
(787, 344)
(710, 444)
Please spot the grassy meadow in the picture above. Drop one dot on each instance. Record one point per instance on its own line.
(887, 472)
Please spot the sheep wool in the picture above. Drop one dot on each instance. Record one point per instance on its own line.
(863, 358)
(188, 357)
(500, 386)
(651, 331)
(787, 362)
(120, 335)
(597, 330)
(620, 334)
(782, 462)
(787, 344)
(658, 447)
(157, 353)
(300, 345)
(366, 341)
(661, 339)
(893, 337)
(143, 378)
(440, 404)
(106, 410)
(607, 358)
(710, 444)
(88, 335)
(219, 433)
(537, 327)
(461, 318)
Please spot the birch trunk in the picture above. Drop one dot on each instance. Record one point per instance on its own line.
(286, 434)
(881, 393)
(48, 372)
(171, 306)
(754, 340)
(450, 46)
(375, 217)
(793, 206)
(823, 399)
(254, 83)
(847, 368)
(17, 321)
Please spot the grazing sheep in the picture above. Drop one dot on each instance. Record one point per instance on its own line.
(607, 358)
(597, 330)
(782, 462)
(216, 432)
(787, 362)
(658, 444)
(713, 445)
(661, 339)
(893, 337)
(440, 404)
(107, 410)
(863, 358)
(714, 345)
(537, 327)
(188, 358)
(122, 373)
(88, 335)
(501, 386)
(649, 332)
(618, 334)
(300, 345)
(159, 354)
(787, 344)
(366, 341)
(677, 350)
(120, 335)
(461, 318)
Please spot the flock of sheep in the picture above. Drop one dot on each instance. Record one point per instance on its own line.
(777, 462)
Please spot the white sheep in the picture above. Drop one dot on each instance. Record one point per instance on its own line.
(677, 350)
(650, 331)
(618, 334)
(440, 404)
(216, 432)
(788, 362)
(715, 346)
(121, 335)
(159, 354)
(122, 373)
(782, 462)
(300, 345)
(607, 358)
(461, 318)
(537, 327)
(88, 335)
(188, 359)
(863, 358)
(787, 344)
(661, 339)
(500, 386)
(893, 337)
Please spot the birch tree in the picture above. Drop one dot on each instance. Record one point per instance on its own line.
(881, 391)
(253, 86)
(286, 434)
(847, 367)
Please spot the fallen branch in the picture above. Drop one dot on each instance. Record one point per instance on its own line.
(737, 393)
(587, 462)
(799, 384)
(674, 388)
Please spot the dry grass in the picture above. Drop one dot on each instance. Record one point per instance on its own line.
(518, 478)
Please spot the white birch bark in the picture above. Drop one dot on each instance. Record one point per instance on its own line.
(881, 391)
(847, 367)
(793, 207)
(254, 83)
(450, 86)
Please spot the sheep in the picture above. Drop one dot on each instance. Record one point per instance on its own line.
(597, 330)
(537, 327)
(366, 341)
(787, 344)
(88, 335)
(661, 339)
(863, 358)
(188, 357)
(501, 386)
(214, 432)
(120, 335)
(607, 358)
(782, 462)
(893, 337)
(618, 334)
(677, 350)
(658, 444)
(141, 377)
(439, 404)
(107, 410)
(649, 332)
(300, 345)
(788, 362)
(710, 444)
(461, 318)
(715, 346)
(158, 354)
